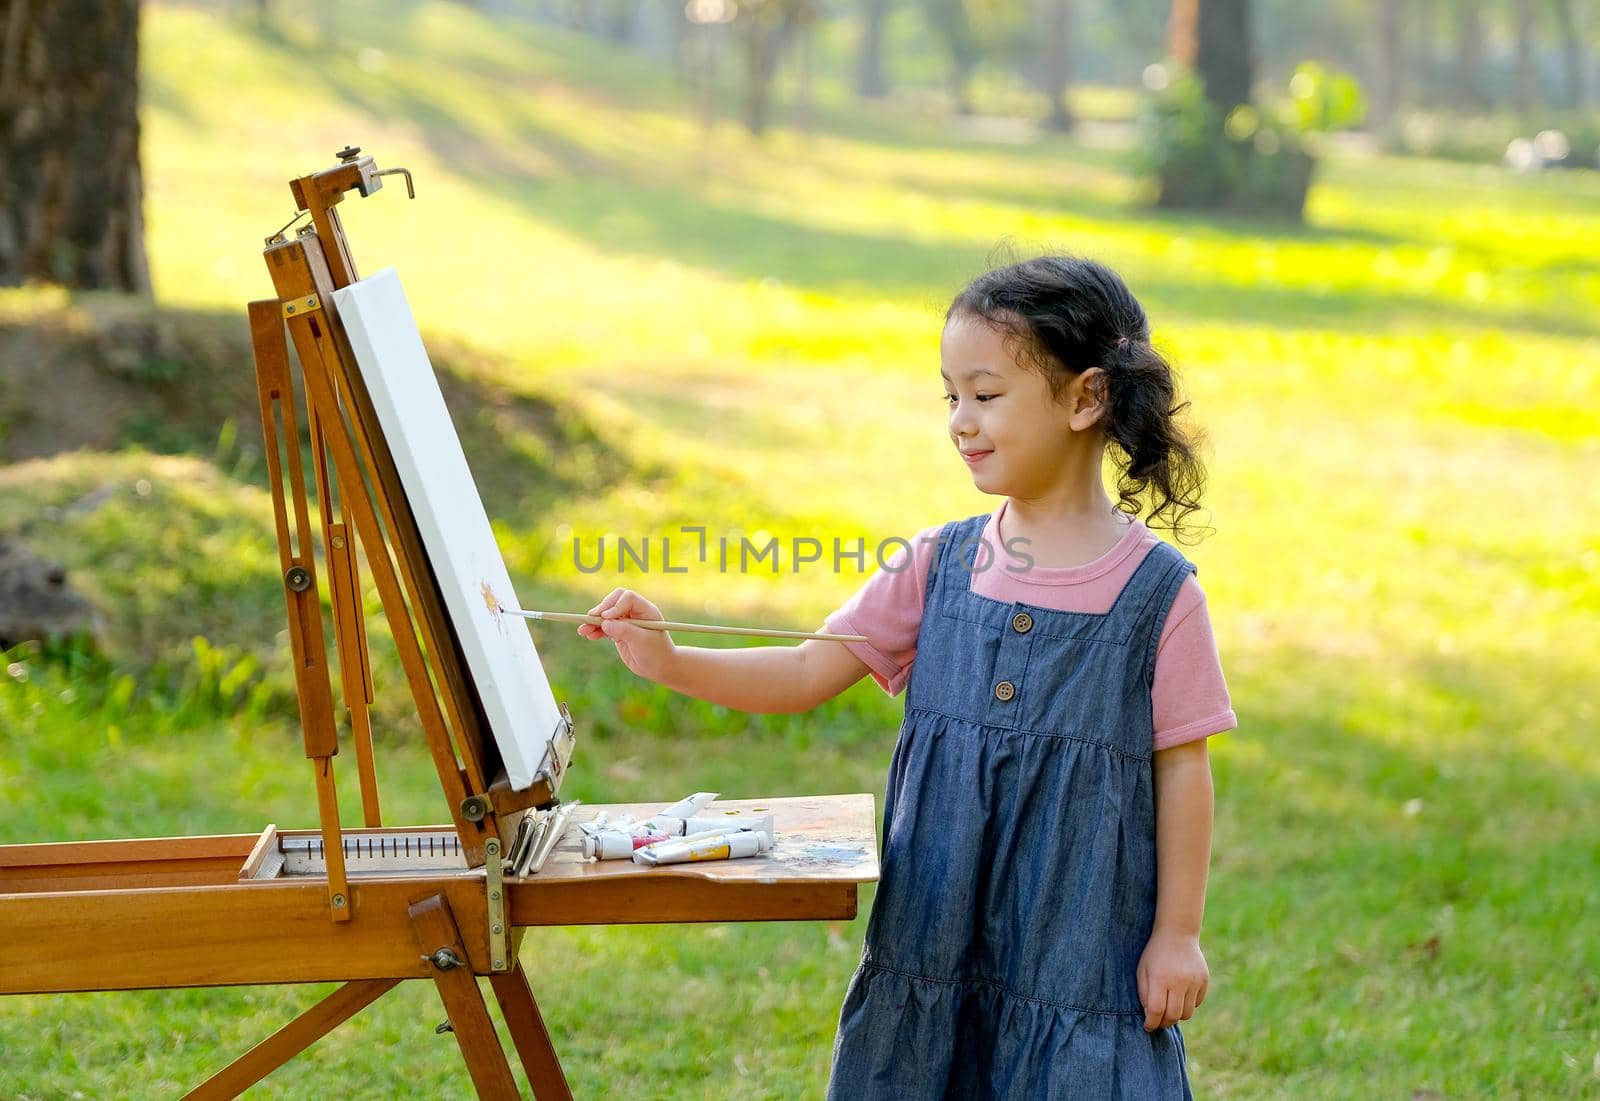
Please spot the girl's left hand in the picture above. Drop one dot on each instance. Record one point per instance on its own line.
(1172, 979)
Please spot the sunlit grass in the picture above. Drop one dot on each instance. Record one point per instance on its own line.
(1401, 405)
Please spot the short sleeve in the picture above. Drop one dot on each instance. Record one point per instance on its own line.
(887, 609)
(1189, 696)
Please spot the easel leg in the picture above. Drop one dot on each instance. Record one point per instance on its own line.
(511, 990)
(463, 1001)
(291, 1040)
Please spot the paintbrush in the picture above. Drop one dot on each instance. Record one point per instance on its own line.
(668, 625)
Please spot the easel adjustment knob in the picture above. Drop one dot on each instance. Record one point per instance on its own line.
(445, 959)
(349, 153)
(298, 578)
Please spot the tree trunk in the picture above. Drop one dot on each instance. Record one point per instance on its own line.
(1391, 82)
(769, 26)
(70, 187)
(805, 98)
(1182, 43)
(1469, 60)
(1213, 38)
(1224, 60)
(1572, 60)
(950, 22)
(871, 82)
(1424, 53)
(1058, 75)
(761, 61)
(1525, 82)
(620, 20)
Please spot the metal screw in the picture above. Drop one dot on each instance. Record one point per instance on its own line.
(495, 895)
(338, 542)
(289, 310)
(495, 929)
(498, 964)
(492, 848)
(338, 902)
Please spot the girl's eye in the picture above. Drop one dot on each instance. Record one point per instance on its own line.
(980, 397)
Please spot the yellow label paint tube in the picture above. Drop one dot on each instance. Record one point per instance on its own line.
(729, 845)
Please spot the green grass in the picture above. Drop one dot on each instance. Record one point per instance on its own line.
(651, 327)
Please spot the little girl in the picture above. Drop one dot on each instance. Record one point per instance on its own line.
(1047, 824)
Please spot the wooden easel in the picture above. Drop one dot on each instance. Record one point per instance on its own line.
(374, 906)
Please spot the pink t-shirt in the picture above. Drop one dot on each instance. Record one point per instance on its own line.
(1189, 696)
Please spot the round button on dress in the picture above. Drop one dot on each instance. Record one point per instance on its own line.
(1004, 691)
(1022, 623)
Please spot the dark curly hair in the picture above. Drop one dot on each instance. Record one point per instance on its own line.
(1063, 315)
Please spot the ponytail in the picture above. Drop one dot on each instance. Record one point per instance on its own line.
(1154, 454)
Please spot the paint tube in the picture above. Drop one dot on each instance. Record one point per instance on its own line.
(685, 808)
(615, 844)
(729, 845)
(730, 822)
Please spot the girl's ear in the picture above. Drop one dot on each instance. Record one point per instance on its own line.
(1087, 398)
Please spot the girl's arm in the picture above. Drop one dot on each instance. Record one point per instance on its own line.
(1172, 972)
(762, 679)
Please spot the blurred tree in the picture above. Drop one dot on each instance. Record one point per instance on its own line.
(1572, 59)
(950, 21)
(1524, 88)
(1057, 51)
(70, 185)
(619, 20)
(1469, 55)
(1391, 51)
(871, 80)
(769, 27)
(701, 51)
(1212, 37)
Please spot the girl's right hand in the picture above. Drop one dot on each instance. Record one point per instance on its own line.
(647, 652)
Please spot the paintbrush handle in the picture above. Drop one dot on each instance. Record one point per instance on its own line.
(668, 625)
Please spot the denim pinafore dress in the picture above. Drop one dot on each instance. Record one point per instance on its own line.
(1019, 861)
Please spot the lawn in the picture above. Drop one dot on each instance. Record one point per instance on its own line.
(1401, 404)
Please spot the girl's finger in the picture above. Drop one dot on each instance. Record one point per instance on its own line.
(1200, 998)
(1188, 1005)
(624, 605)
(1154, 1008)
(1174, 1012)
(1144, 993)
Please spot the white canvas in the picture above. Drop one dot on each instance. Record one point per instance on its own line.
(505, 667)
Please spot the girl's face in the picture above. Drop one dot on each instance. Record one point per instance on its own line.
(1015, 438)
